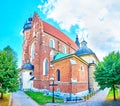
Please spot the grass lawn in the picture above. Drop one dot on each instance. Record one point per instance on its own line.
(110, 95)
(42, 99)
(109, 100)
(5, 100)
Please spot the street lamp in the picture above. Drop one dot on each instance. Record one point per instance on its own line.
(52, 79)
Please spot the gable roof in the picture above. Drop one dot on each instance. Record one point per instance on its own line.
(58, 34)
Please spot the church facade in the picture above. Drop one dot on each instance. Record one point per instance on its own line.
(50, 54)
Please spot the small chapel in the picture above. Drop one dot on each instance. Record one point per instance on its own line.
(47, 53)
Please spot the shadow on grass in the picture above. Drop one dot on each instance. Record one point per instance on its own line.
(112, 103)
(5, 100)
(109, 100)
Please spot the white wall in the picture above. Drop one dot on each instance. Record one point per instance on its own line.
(27, 83)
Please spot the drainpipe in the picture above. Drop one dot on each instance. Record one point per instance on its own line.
(89, 89)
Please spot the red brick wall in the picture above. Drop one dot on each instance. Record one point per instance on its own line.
(80, 75)
(64, 67)
(67, 72)
(41, 84)
(77, 73)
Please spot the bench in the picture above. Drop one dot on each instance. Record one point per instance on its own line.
(73, 99)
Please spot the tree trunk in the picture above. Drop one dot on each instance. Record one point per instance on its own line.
(1, 95)
(114, 93)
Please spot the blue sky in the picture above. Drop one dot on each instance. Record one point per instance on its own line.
(13, 14)
(97, 20)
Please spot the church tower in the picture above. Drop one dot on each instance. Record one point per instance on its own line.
(26, 32)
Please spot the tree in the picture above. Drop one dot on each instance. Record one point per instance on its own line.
(8, 71)
(107, 72)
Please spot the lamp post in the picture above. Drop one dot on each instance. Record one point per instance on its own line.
(89, 74)
(53, 100)
(52, 79)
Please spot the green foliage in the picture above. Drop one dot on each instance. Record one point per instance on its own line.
(8, 71)
(107, 72)
(10, 51)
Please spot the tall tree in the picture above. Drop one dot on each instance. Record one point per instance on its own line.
(8, 71)
(107, 72)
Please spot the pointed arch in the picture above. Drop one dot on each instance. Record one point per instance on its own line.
(45, 67)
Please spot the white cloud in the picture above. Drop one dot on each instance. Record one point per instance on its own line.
(21, 32)
(99, 19)
(39, 6)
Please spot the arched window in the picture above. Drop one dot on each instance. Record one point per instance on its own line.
(52, 44)
(58, 75)
(45, 67)
(32, 54)
(64, 49)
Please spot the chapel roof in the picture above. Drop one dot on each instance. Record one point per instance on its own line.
(62, 56)
(83, 50)
(59, 56)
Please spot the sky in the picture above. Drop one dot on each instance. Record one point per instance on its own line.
(97, 21)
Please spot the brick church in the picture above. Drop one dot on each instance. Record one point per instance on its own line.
(50, 54)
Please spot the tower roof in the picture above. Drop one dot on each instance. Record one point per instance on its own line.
(28, 24)
(77, 41)
(28, 66)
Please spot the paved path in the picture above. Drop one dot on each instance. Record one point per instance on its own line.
(19, 98)
(96, 100)
(99, 98)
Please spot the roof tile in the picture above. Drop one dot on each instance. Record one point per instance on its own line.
(58, 34)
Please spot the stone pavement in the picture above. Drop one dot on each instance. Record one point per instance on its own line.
(19, 98)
